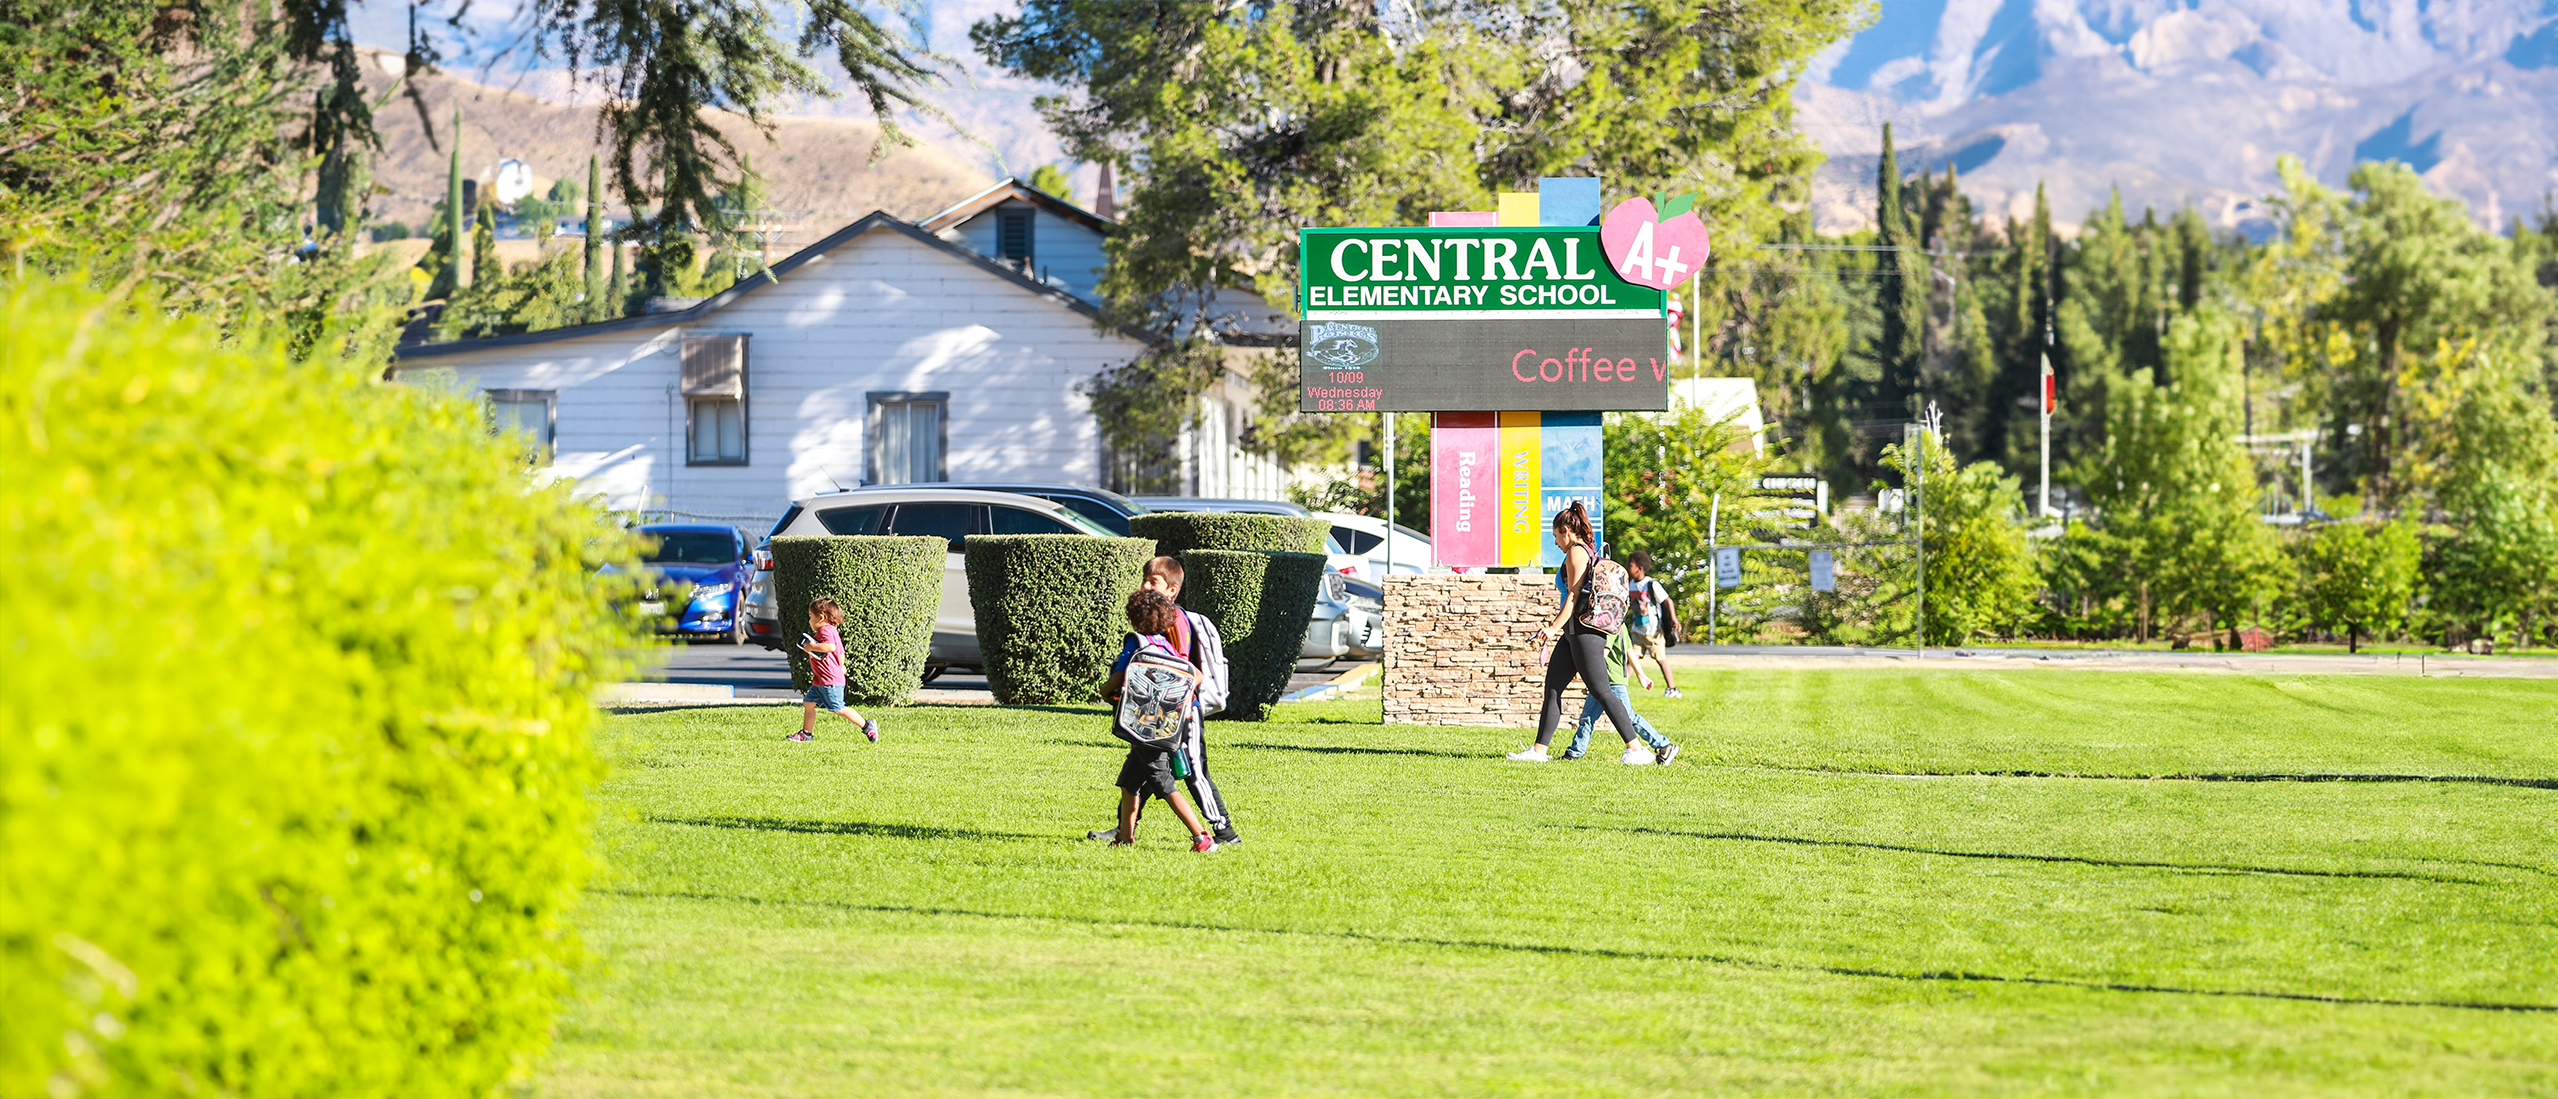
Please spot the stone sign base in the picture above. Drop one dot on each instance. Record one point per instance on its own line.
(1461, 650)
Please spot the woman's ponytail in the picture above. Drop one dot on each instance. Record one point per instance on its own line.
(1575, 521)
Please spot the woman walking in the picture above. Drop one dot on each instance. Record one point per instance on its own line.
(1580, 647)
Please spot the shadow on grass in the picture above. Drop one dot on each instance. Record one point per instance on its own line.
(2013, 856)
(1863, 972)
(1350, 749)
(844, 828)
(2192, 776)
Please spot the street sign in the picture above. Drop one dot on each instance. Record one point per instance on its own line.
(1805, 499)
(1475, 318)
(1727, 567)
(1824, 571)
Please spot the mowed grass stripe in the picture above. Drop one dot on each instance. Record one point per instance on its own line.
(1592, 952)
(1411, 914)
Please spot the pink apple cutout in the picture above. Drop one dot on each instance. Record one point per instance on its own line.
(1647, 251)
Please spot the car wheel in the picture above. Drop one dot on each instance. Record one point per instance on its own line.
(736, 626)
(934, 671)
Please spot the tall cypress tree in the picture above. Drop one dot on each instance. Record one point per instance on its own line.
(454, 264)
(1901, 289)
(595, 285)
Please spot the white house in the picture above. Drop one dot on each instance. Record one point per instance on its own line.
(889, 352)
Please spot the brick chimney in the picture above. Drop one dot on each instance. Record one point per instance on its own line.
(1104, 203)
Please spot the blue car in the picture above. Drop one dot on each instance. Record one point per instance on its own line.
(705, 565)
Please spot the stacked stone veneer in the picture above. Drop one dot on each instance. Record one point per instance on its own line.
(1461, 650)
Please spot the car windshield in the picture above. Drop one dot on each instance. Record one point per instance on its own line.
(691, 547)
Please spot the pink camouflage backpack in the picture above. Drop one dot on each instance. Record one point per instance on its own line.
(1607, 587)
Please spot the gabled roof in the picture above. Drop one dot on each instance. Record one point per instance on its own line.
(877, 221)
(1015, 189)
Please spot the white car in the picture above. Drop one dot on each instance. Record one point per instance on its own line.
(1365, 537)
(926, 509)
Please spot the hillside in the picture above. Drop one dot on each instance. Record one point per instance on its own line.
(818, 168)
(2180, 103)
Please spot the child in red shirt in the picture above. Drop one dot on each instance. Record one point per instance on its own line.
(824, 644)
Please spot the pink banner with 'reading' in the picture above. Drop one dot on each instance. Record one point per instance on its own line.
(1465, 464)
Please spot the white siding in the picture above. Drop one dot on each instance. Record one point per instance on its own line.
(1065, 255)
(882, 312)
(1069, 256)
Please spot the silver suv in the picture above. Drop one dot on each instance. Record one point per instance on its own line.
(952, 514)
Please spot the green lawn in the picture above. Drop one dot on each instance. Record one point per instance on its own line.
(1855, 882)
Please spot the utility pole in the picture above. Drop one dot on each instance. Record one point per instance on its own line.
(1714, 562)
(1381, 581)
(1918, 517)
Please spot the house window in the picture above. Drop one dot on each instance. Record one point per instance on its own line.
(909, 433)
(715, 400)
(526, 412)
(1012, 237)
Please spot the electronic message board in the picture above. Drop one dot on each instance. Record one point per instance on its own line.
(1477, 318)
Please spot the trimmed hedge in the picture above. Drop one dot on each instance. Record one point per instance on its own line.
(889, 588)
(1051, 610)
(1261, 603)
(294, 718)
(1178, 532)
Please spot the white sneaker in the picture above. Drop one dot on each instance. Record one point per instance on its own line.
(1535, 753)
(1672, 693)
(1105, 835)
(1636, 754)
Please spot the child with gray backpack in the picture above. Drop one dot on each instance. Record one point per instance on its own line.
(1156, 689)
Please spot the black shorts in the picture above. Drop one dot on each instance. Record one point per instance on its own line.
(1148, 771)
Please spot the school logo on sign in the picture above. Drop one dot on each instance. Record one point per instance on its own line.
(1342, 346)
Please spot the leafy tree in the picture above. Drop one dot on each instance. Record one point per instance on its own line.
(2359, 579)
(2500, 570)
(1053, 179)
(2438, 303)
(1664, 473)
(2171, 476)
(153, 147)
(1981, 579)
(536, 295)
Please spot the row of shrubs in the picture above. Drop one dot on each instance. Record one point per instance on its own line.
(294, 768)
(1049, 606)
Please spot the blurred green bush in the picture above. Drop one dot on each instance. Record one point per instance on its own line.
(1051, 610)
(1261, 603)
(294, 719)
(889, 589)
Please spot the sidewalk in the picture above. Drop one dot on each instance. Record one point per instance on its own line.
(2004, 659)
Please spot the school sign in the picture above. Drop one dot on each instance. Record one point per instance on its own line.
(1475, 318)
(1517, 328)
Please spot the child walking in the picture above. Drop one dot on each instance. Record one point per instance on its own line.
(1148, 771)
(824, 644)
(1198, 641)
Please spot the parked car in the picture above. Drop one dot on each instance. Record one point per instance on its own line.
(1338, 557)
(1220, 503)
(1367, 537)
(938, 510)
(1100, 505)
(1345, 625)
(705, 564)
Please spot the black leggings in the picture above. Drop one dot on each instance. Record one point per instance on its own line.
(1584, 651)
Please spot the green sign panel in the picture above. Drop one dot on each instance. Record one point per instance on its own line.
(1475, 319)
